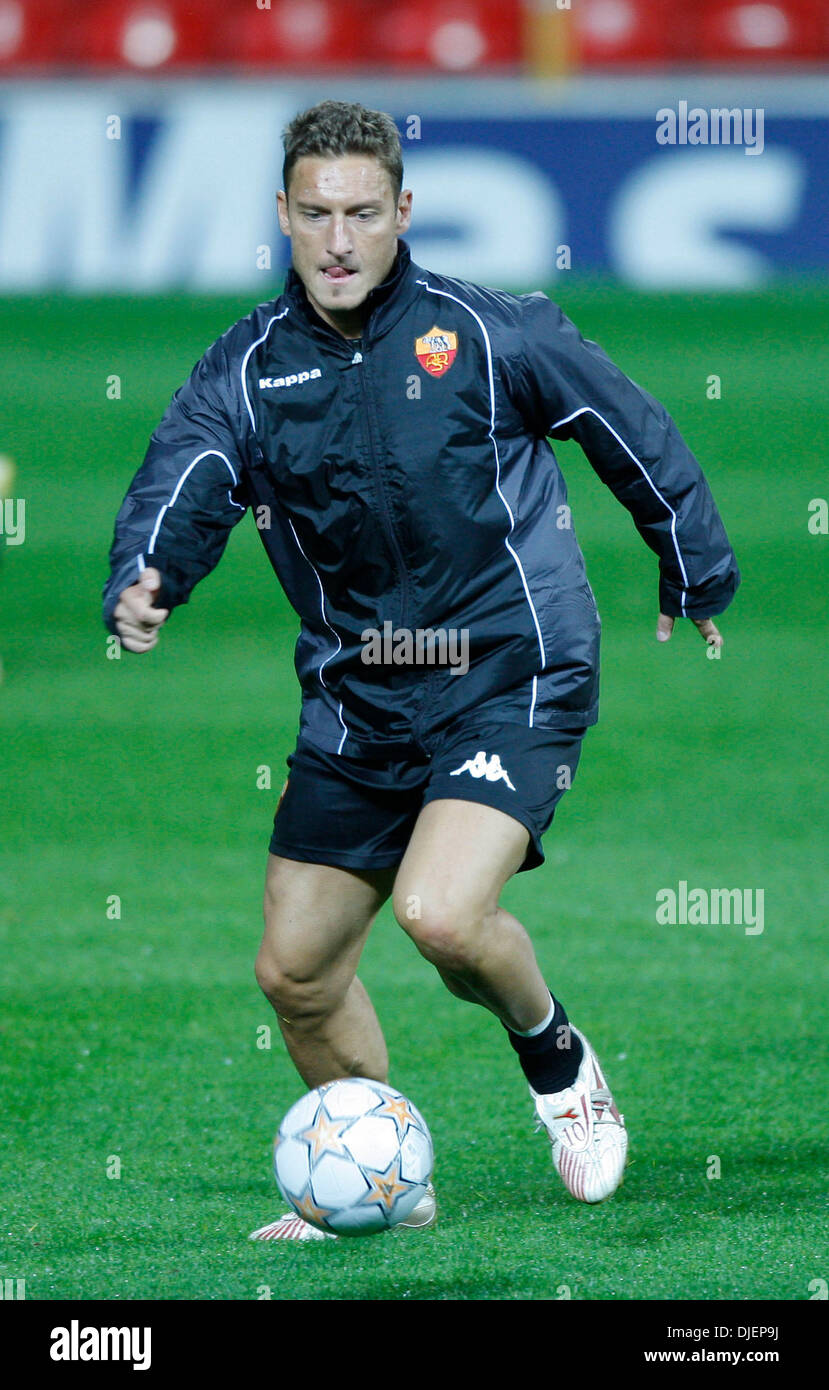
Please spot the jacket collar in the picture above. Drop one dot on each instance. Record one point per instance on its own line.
(386, 303)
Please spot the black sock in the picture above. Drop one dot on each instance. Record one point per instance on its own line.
(551, 1060)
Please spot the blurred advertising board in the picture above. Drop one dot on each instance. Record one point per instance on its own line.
(673, 182)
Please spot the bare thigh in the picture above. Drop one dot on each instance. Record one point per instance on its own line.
(459, 857)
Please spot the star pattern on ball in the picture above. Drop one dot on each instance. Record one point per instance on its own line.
(311, 1211)
(400, 1111)
(324, 1135)
(385, 1188)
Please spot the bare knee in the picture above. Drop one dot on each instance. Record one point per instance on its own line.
(445, 932)
(298, 995)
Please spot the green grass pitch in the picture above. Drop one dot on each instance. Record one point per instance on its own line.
(132, 1042)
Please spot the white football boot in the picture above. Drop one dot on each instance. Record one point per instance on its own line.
(587, 1133)
(292, 1227)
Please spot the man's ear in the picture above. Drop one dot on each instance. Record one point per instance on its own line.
(282, 212)
(404, 211)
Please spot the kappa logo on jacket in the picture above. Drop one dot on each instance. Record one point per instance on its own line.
(480, 766)
(266, 383)
(436, 350)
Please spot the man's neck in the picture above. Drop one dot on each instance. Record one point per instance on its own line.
(349, 324)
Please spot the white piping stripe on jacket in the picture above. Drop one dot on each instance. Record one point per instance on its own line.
(330, 629)
(246, 358)
(510, 548)
(179, 485)
(244, 368)
(589, 410)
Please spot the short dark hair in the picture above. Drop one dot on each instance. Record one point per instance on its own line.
(336, 128)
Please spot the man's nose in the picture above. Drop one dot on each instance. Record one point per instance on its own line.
(339, 236)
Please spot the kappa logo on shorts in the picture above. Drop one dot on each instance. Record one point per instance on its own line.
(437, 350)
(481, 766)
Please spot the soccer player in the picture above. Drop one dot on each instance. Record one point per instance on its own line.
(389, 429)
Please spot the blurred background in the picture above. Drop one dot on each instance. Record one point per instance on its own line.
(554, 146)
(140, 139)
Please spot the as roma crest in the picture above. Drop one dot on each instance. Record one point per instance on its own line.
(437, 350)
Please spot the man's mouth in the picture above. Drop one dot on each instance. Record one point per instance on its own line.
(338, 274)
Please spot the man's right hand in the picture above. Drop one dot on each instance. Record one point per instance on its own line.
(136, 620)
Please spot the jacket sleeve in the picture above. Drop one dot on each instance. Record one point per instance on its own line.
(572, 390)
(188, 494)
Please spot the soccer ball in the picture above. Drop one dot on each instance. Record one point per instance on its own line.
(353, 1157)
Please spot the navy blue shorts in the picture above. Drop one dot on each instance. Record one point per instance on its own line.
(359, 813)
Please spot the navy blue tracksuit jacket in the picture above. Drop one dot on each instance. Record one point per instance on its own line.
(407, 478)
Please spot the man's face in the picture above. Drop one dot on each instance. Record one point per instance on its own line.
(343, 221)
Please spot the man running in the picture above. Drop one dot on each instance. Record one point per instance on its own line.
(389, 428)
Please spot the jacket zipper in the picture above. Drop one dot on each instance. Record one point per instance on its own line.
(386, 518)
